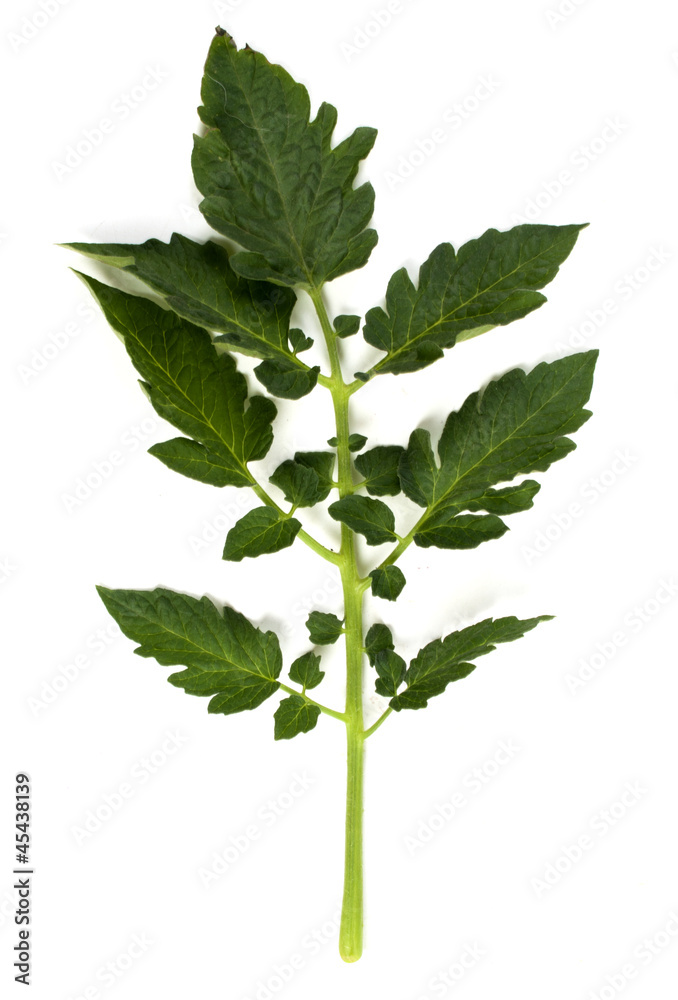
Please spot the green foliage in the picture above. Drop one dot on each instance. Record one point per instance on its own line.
(445, 660)
(306, 671)
(387, 582)
(260, 531)
(379, 466)
(191, 386)
(271, 180)
(378, 637)
(276, 185)
(371, 518)
(391, 670)
(299, 483)
(294, 715)
(517, 425)
(489, 282)
(225, 656)
(323, 628)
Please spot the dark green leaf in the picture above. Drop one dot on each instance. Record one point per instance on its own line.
(299, 483)
(371, 518)
(294, 715)
(378, 637)
(272, 181)
(193, 460)
(447, 530)
(346, 326)
(189, 383)
(323, 628)
(517, 425)
(509, 500)
(198, 283)
(445, 660)
(284, 378)
(299, 341)
(490, 282)
(387, 582)
(355, 442)
(306, 671)
(323, 463)
(259, 532)
(391, 671)
(225, 656)
(379, 466)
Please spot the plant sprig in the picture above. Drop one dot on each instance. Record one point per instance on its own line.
(284, 197)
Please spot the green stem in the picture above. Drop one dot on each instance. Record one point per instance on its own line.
(382, 718)
(312, 542)
(351, 931)
(323, 708)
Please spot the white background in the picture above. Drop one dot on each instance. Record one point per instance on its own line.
(575, 122)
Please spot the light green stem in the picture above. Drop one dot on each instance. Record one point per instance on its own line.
(351, 931)
(312, 542)
(323, 708)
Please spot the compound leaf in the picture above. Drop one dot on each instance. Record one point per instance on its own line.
(270, 178)
(197, 282)
(517, 425)
(294, 715)
(260, 532)
(193, 460)
(323, 463)
(299, 483)
(225, 656)
(390, 669)
(489, 282)
(306, 670)
(447, 530)
(346, 326)
(445, 660)
(378, 637)
(285, 378)
(190, 384)
(379, 466)
(387, 582)
(324, 628)
(371, 518)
